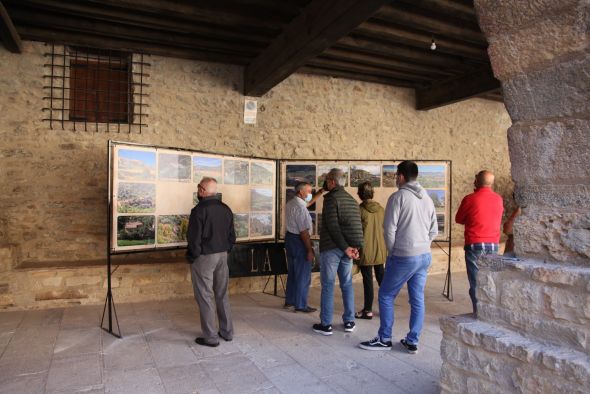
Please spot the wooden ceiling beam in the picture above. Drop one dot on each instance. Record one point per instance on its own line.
(355, 76)
(379, 71)
(420, 40)
(381, 61)
(94, 41)
(90, 11)
(8, 34)
(440, 28)
(320, 24)
(402, 52)
(131, 33)
(456, 89)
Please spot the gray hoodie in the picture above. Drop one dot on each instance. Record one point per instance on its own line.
(410, 221)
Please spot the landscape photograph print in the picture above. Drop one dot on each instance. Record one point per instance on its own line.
(135, 230)
(432, 176)
(261, 173)
(136, 165)
(206, 167)
(136, 197)
(241, 225)
(440, 218)
(297, 173)
(261, 200)
(172, 229)
(360, 173)
(260, 224)
(389, 171)
(235, 172)
(323, 170)
(174, 167)
(438, 197)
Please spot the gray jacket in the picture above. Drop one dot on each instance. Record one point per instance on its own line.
(410, 221)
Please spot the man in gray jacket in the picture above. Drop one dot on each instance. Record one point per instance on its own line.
(410, 226)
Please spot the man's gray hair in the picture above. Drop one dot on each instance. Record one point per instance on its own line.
(209, 184)
(300, 186)
(337, 175)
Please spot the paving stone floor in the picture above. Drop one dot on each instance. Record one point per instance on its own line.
(274, 350)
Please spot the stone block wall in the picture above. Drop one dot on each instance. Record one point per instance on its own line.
(54, 206)
(532, 332)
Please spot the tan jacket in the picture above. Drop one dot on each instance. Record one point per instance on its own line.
(374, 251)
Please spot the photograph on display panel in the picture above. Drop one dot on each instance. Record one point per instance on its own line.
(154, 189)
(381, 174)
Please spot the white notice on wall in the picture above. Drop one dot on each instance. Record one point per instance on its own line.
(250, 109)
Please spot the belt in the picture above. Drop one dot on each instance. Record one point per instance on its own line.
(486, 246)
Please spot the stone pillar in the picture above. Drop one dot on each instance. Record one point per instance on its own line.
(533, 329)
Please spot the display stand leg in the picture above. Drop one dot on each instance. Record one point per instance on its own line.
(277, 278)
(109, 303)
(448, 287)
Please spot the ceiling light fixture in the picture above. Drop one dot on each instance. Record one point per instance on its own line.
(433, 45)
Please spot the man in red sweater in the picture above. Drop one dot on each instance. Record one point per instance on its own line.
(481, 213)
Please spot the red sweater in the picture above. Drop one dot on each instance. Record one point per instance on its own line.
(481, 213)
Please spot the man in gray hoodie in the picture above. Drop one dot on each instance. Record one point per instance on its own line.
(410, 226)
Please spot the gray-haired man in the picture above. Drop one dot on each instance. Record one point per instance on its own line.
(210, 236)
(341, 236)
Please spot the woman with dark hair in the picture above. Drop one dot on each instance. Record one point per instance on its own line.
(374, 252)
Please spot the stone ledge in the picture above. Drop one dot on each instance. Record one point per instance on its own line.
(549, 303)
(500, 360)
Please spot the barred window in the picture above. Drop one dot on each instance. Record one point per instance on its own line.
(96, 89)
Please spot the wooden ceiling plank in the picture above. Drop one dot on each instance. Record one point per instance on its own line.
(8, 34)
(445, 7)
(354, 67)
(420, 40)
(380, 61)
(355, 76)
(456, 89)
(90, 40)
(320, 24)
(438, 27)
(203, 10)
(114, 30)
(139, 19)
(401, 52)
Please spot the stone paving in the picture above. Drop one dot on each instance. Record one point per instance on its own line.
(274, 350)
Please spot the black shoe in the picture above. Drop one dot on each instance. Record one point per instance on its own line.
(376, 344)
(307, 309)
(224, 338)
(412, 349)
(201, 341)
(321, 329)
(349, 326)
(288, 306)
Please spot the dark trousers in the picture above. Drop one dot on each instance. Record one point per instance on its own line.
(472, 253)
(299, 272)
(367, 272)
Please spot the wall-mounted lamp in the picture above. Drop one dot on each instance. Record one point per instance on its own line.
(433, 45)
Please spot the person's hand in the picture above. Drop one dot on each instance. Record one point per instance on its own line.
(353, 253)
(310, 255)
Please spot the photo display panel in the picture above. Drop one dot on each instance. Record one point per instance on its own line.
(434, 176)
(154, 190)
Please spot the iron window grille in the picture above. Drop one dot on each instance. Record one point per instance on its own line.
(95, 89)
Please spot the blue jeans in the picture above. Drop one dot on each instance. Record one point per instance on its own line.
(472, 253)
(299, 272)
(399, 271)
(332, 262)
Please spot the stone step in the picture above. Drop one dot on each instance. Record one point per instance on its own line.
(479, 357)
(549, 303)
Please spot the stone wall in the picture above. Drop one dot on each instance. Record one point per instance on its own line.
(532, 332)
(53, 209)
